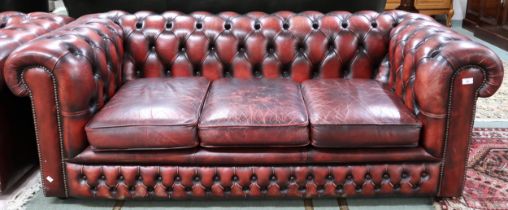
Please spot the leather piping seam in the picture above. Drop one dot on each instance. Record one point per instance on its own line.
(59, 123)
(445, 146)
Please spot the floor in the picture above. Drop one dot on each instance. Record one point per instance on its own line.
(40, 202)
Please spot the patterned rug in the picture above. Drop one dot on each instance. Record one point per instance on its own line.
(486, 184)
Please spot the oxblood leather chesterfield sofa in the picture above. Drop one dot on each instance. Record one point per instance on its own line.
(18, 153)
(257, 105)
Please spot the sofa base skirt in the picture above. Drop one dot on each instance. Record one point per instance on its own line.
(179, 182)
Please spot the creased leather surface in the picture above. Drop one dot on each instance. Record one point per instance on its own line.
(258, 112)
(357, 114)
(129, 182)
(18, 28)
(156, 113)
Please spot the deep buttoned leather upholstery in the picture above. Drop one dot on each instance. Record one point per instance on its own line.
(254, 113)
(358, 114)
(72, 73)
(153, 113)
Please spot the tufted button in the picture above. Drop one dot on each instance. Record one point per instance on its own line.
(264, 189)
(377, 187)
(273, 178)
(227, 26)
(416, 186)
(310, 177)
(358, 188)
(257, 25)
(254, 178)
(235, 178)
(292, 178)
(396, 186)
(83, 177)
(245, 188)
(386, 176)
(140, 178)
(320, 188)
(315, 25)
(404, 175)
(132, 188)
(139, 25)
(285, 25)
(93, 188)
(329, 177)
(339, 187)
(373, 24)
(344, 24)
(216, 178)
(121, 178)
(301, 47)
(367, 176)
(199, 25)
(103, 177)
(169, 25)
(159, 177)
(196, 178)
(177, 178)
(169, 189)
(425, 174)
(112, 190)
(188, 189)
(349, 177)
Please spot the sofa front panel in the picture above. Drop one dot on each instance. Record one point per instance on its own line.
(284, 44)
(173, 182)
(254, 156)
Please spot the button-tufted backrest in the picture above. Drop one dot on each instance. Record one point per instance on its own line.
(284, 44)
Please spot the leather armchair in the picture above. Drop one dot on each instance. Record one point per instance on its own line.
(17, 137)
(253, 135)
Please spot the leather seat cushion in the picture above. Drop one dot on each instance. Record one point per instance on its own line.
(254, 113)
(151, 113)
(358, 113)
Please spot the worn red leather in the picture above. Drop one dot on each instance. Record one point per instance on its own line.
(154, 113)
(17, 28)
(72, 73)
(18, 152)
(254, 113)
(358, 114)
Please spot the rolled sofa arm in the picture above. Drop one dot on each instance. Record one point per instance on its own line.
(18, 28)
(439, 74)
(69, 74)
